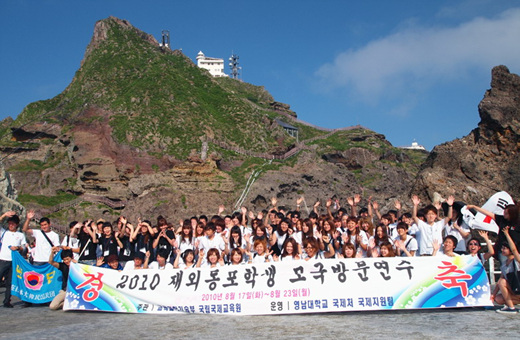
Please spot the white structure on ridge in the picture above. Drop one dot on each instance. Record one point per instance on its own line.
(215, 66)
(414, 146)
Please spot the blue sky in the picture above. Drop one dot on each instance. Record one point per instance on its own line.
(406, 69)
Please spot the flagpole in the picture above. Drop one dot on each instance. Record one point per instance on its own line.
(85, 247)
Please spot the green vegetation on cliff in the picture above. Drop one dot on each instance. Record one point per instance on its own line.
(134, 111)
(156, 99)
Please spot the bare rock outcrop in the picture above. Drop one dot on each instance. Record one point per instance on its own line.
(485, 161)
(282, 107)
(101, 29)
(8, 194)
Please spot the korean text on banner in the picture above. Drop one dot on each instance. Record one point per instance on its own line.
(288, 287)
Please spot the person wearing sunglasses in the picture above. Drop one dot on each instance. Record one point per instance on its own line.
(473, 246)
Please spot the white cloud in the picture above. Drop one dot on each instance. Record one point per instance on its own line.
(415, 58)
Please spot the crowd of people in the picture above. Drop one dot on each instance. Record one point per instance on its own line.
(275, 234)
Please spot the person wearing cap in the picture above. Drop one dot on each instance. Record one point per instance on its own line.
(10, 240)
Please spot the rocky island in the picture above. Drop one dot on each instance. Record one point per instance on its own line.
(142, 131)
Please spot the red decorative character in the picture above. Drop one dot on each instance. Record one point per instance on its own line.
(453, 280)
(94, 280)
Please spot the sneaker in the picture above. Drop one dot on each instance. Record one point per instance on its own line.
(507, 310)
(8, 305)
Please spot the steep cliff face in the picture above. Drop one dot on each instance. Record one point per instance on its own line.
(485, 161)
(133, 108)
(368, 165)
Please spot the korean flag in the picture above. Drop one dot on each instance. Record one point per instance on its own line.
(494, 204)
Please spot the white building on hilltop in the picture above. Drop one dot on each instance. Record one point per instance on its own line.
(414, 146)
(215, 66)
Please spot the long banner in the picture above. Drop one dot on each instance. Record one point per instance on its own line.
(286, 287)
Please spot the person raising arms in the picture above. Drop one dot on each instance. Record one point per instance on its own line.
(510, 218)
(431, 229)
(64, 266)
(508, 284)
(45, 238)
(474, 247)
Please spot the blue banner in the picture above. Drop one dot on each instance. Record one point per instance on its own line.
(35, 284)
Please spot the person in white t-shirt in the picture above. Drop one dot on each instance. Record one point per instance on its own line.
(261, 253)
(431, 230)
(45, 239)
(449, 244)
(11, 240)
(474, 247)
(211, 240)
(290, 251)
(71, 241)
(458, 228)
(213, 259)
(184, 260)
(356, 236)
(405, 244)
(160, 263)
(140, 261)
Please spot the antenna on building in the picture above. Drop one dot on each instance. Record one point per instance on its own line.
(233, 65)
(165, 39)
